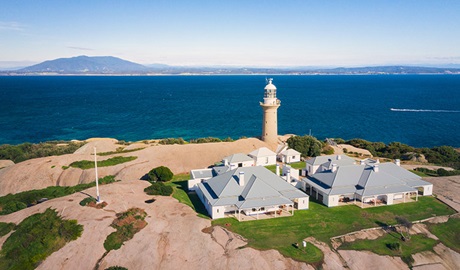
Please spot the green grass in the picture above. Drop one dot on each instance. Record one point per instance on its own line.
(272, 168)
(419, 173)
(310, 254)
(448, 233)
(119, 151)
(323, 223)
(87, 164)
(298, 165)
(15, 202)
(417, 243)
(5, 228)
(35, 238)
(179, 184)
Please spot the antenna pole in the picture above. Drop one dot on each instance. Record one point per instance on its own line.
(98, 200)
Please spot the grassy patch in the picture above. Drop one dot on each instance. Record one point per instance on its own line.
(15, 202)
(35, 238)
(298, 165)
(391, 244)
(5, 228)
(448, 233)
(323, 223)
(25, 151)
(419, 173)
(119, 151)
(180, 187)
(310, 253)
(127, 224)
(87, 164)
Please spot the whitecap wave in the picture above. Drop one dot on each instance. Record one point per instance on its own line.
(423, 110)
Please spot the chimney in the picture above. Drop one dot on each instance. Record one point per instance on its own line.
(378, 160)
(277, 169)
(241, 179)
(398, 162)
(288, 176)
(361, 162)
(225, 162)
(376, 168)
(339, 157)
(334, 168)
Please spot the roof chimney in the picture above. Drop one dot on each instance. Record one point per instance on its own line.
(378, 160)
(241, 179)
(334, 168)
(376, 168)
(288, 176)
(361, 162)
(339, 157)
(277, 169)
(398, 162)
(225, 162)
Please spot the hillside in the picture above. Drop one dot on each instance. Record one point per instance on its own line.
(85, 64)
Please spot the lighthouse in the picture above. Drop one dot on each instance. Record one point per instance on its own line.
(270, 107)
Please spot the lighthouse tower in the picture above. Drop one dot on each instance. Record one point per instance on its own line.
(270, 107)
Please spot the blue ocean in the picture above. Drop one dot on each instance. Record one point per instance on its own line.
(419, 110)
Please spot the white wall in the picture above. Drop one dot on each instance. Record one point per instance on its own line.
(245, 164)
(203, 199)
(291, 159)
(218, 212)
(428, 190)
(303, 203)
(265, 161)
(192, 184)
(331, 200)
(389, 199)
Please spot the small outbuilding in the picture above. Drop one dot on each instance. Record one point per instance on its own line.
(289, 156)
(263, 157)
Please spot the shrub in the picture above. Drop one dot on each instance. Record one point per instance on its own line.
(87, 200)
(172, 141)
(116, 268)
(35, 238)
(87, 164)
(394, 246)
(161, 173)
(328, 150)
(205, 140)
(5, 228)
(159, 188)
(308, 146)
(25, 151)
(12, 206)
(345, 150)
(127, 224)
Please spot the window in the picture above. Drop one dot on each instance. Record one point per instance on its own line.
(217, 210)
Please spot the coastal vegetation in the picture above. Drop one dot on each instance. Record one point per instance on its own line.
(158, 188)
(448, 232)
(160, 173)
(440, 155)
(119, 150)
(26, 151)
(199, 140)
(323, 223)
(15, 202)
(127, 224)
(87, 164)
(308, 146)
(35, 238)
(5, 228)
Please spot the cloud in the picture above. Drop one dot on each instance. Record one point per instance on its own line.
(11, 26)
(80, 48)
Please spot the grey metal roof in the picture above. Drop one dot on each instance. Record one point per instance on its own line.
(261, 188)
(220, 169)
(365, 180)
(237, 158)
(338, 159)
(204, 173)
(262, 152)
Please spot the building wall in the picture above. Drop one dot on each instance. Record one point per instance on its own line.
(205, 202)
(291, 159)
(331, 200)
(192, 184)
(218, 212)
(245, 164)
(312, 169)
(265, 161)
(428, 190)
(303, 203)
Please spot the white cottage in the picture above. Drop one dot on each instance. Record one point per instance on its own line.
(263, 156)
(289, 156)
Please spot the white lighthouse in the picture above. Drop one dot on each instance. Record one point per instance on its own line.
(270, 108)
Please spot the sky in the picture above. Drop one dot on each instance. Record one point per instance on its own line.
(234, 33)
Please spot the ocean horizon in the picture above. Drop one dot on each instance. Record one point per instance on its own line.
(419, 110)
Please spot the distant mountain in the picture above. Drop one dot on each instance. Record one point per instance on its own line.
(86, 65)
(107, 65)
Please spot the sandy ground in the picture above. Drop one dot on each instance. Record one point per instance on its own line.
(350, 148)
(430, 167)
(48, 171)
(5, 163)
(447, 189)
(173, 238)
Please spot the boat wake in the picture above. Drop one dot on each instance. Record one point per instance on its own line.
(420, 110)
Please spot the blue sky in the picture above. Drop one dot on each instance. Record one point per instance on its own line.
(249, 33)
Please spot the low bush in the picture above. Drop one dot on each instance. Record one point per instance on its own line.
(116, 268)
(87, 164)
(205, 140)
(35, 238)
(161, 173)
(159, 188)
(5, 228)
(172, 141)
(15, 202)
(87, 200)
(127, 224)
(25, 151)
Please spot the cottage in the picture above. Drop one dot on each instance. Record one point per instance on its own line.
(263, 157)
(289, 156)
(249, 191)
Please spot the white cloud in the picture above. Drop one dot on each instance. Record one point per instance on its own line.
(11, 26)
